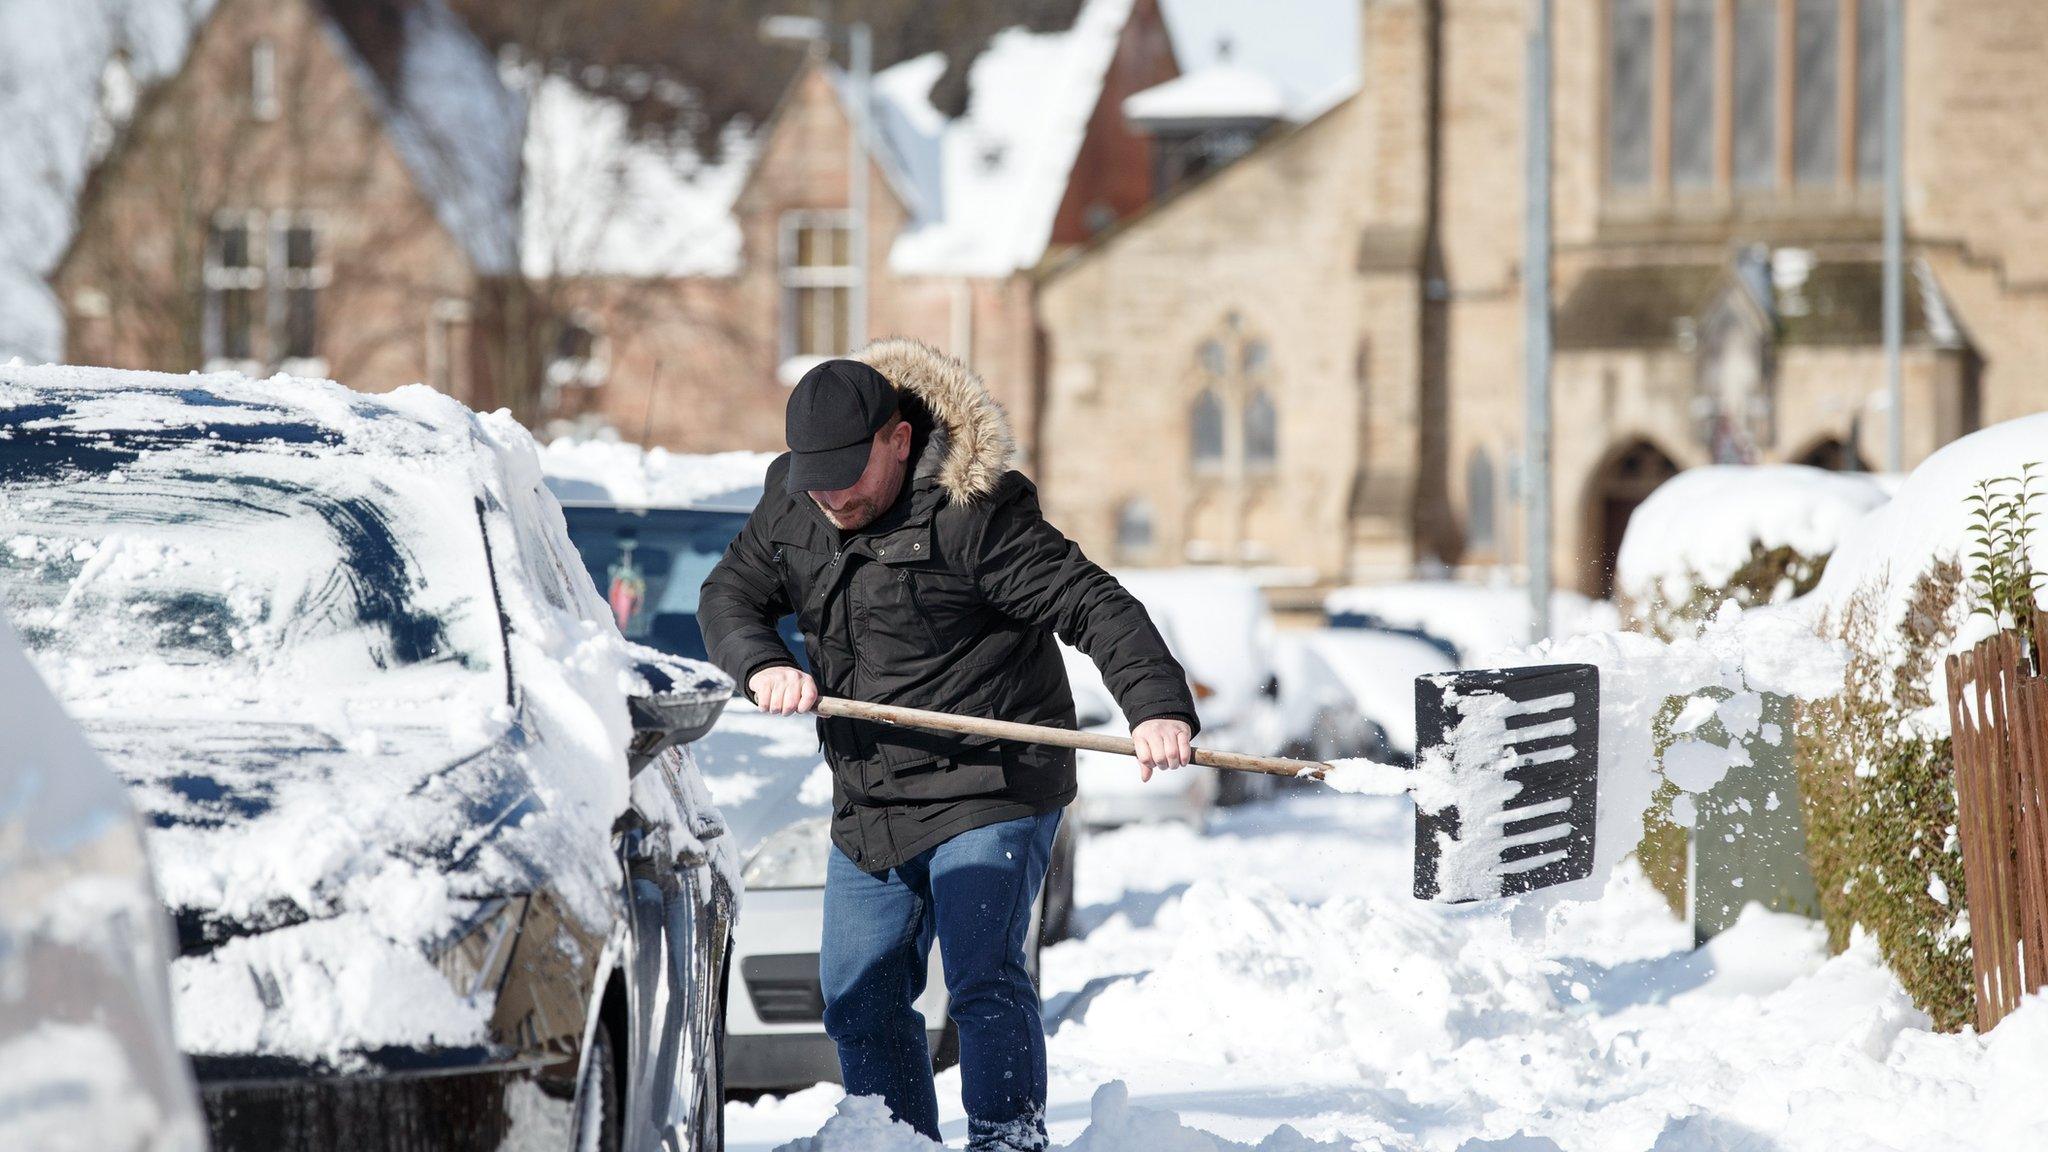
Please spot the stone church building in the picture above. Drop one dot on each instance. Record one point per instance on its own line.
(1311, 357)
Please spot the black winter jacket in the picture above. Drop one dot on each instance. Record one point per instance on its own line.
(950, 601)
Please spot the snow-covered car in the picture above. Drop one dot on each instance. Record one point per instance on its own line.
(773, 787)
(85, 1017)
(442, 871)
(1350, 692)
(1217, 624)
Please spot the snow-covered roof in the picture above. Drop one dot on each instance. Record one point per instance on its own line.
(996, 174)
(1309, 49)
(458, 127)
(1218, 92)
(54, 55)
(598, 201)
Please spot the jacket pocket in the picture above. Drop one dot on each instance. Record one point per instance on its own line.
(949, 778)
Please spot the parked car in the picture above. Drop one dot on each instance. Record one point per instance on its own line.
(1349, 692)
(772, 784)
(85, 1014)
(442, 870)
(1217, 623)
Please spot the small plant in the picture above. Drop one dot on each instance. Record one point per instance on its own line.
(2002, 577)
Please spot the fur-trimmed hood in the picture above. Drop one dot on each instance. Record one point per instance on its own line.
(969, 445)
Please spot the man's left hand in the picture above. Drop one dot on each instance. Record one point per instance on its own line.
(1162, 743)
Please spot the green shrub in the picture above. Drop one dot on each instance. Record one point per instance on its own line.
(1769, 576)
(1879, 797)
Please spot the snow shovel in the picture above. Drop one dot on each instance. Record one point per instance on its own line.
(1507, 768)
(1506, 781)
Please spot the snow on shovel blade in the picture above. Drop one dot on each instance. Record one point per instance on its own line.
(1505, 777)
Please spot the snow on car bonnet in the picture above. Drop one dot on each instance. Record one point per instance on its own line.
(291, 615)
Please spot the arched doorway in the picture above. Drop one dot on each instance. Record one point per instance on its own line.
(1833, 454)
(1631, 472)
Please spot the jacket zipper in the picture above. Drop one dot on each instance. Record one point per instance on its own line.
(931, 634)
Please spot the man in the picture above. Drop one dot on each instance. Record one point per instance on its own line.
(922, 574)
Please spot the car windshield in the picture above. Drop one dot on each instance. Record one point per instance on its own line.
(260, 583)
(650, 562)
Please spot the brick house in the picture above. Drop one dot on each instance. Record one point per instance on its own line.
(325, 190)
(696, 349)
(360, 190)
(1329, 329)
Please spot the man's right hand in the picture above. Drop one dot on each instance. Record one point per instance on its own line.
(783, 690)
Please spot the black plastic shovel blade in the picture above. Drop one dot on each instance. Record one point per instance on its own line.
(1479, 735)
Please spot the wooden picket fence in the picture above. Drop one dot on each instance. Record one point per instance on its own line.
(1998, 703)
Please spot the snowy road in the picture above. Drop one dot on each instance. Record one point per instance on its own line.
(1275, 972)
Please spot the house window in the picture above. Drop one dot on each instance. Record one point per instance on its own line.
(262, 278)
(817, 281)
(1207, 431)
(233, 290)
(300, 292)
(1727, 95)
(581, 355)
(1261, 433)
(263, 80)
(1134, 529)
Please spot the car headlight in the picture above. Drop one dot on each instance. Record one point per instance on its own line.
(475, 955)
(792, 858)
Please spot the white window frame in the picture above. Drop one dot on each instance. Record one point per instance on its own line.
(446, 323)
(270, 278)
(263, 103)
(792, 278)
(590, 371)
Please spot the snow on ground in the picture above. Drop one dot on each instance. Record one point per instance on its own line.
(1478, 619)
(1270, 983)
(618, 473)
(1700, 525)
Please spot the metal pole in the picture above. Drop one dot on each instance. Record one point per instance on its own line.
(860, 47)
(1894, 231)
(1536, 298)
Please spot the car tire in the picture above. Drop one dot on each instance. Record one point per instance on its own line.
(598, 1090)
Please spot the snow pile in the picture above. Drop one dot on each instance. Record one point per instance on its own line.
(393, 759)
(1478, 619)
(1318, 1006)
(69, 70)
(612, 472)
(1699, 527)
(600, 202)
(1929, 518)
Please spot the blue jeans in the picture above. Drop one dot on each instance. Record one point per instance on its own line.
(974, 893)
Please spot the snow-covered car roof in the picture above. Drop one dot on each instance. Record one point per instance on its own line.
(595, 471)
(341, 652)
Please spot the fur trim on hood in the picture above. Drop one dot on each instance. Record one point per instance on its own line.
(970, 445)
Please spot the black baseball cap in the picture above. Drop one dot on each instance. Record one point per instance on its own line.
(833, 416)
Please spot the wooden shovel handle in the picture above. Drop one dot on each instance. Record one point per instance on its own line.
(1057, 737)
